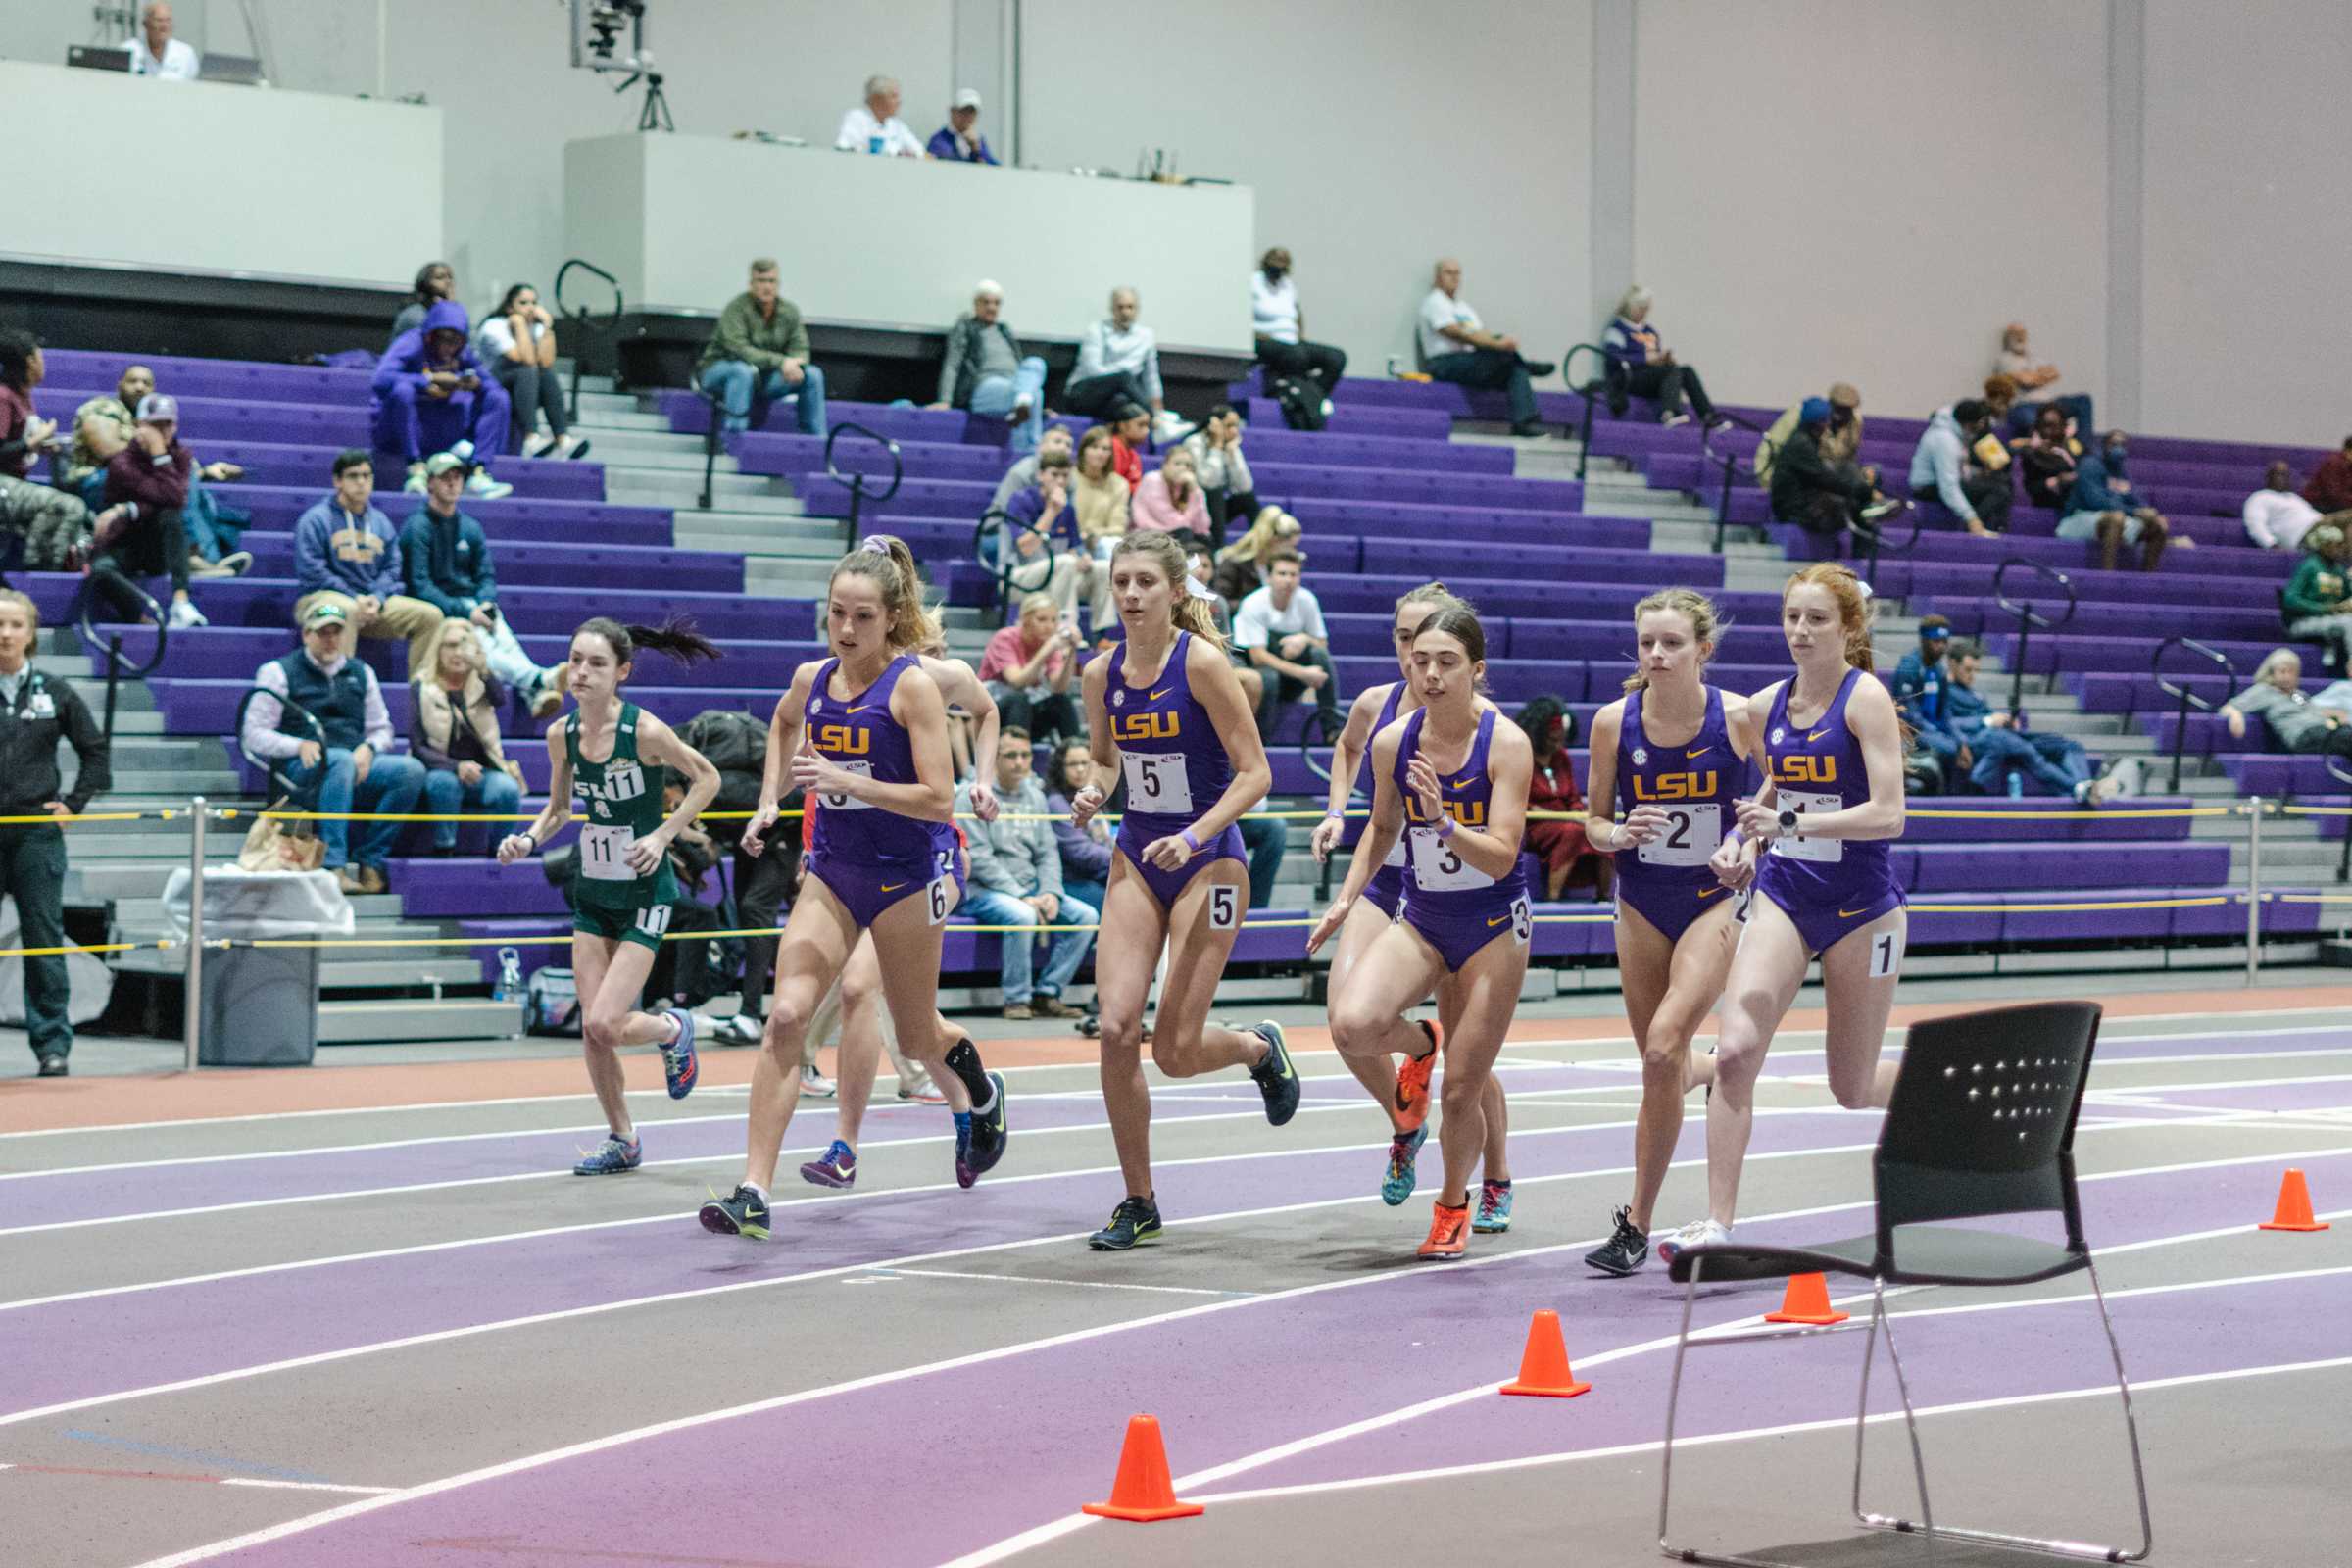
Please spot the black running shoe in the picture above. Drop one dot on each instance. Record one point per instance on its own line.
(1625, 1252)
(1277, 1079)
(988, 1131)
(1134, 1223)
(742, 1212)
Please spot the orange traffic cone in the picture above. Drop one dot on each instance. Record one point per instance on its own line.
(1142, 1491)
(2293, 1213)
(1807, 1301)
(1544, 1366)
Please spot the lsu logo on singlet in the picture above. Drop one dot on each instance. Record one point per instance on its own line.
(624, 783)
(1465, 813)
(1674, 787)
(1160, 726)
(843, 740)
(1799, 768)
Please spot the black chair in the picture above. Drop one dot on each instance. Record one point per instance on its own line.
(1983, 1123)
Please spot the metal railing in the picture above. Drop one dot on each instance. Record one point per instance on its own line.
(998, 528)
(2189, 698)
(854, 480)
(1596, 387)
(2027, 617)
(586, 320)
(1729, 464)
(117, 664)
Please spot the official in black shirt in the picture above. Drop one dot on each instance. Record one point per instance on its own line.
(35, 710)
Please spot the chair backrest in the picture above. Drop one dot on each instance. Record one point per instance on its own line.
(1983, 1119)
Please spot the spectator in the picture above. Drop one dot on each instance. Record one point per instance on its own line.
(146, 495)
(758, 354)
(2277, 698)
(1918, 687)
(2317, 602)
(1265, 840)
(1223, 473)
(453, 732)
(41, 710)
(1559, 840)
(1840, 439)
(1040, 539)
(1102, 498)
(874, 126)
(2049, 458)
(433, 395)
(347, 554)
(519, 343)
(353, 768)
(2102, 505)
(1118, 363)
(1026, 668)
(1202, 567)
(1280, 627)
(2275, 517)
(1456, 347)
(1808, 489)
(1640, 364)
(1023, 472)
(986, 371)
(2000, 398)
(2023, 366)
(1016, 880)
(445, 561)
(1241, 565)
(1169, 500)
(2022, 761)
(435, 283)
(1086, 851)
(103, 426)
(2330, 486)
(1943, 468)
(957, 141)
(154, 52)
(1280, 328)
(1130, 428)
(54, 525)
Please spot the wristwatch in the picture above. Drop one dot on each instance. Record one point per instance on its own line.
(1787, 823)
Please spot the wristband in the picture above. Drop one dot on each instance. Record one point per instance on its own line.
(535, 849)
(1190, 843)
(1334, 815)
(1446, 827)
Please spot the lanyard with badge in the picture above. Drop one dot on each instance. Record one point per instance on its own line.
(38, 704)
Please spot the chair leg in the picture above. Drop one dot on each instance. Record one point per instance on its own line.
(1879, 1324)
(2139, 1474)
(1673, 1393)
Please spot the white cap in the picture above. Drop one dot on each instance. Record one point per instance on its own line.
(965, 98)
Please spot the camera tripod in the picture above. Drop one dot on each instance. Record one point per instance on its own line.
(655, 115)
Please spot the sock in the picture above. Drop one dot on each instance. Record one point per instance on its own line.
(963, 1120)
(756, 1191)
(963, 1060)
(1502, 1186)
(1428, 1034)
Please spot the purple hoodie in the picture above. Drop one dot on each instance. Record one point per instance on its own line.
(409, 358)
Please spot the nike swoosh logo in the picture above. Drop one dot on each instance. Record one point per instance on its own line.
(892, 887)
(861, 708)
(1498, 920)
(1819, 733)
(1849, 914)
(1157, 695)
(1701, 752)
(1708, 892)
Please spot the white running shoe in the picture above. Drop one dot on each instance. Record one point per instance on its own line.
(817, 1083)
(1169, 427)
(483, 487)
(537, 443)
(185, 614)
(1699, 1233)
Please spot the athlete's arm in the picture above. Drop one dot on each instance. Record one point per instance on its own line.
(783, 739)
(1218, 690)
(1378, 839)
(914, 702)
(1768, 794)
(1346, 756)
(1092, 682)
(558, 809)
(1869, 714)
(958, 687)
(1494, 847)
(660, 747)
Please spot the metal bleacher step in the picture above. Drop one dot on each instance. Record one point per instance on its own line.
(758, 533)
(770, 577)
(412, 1019)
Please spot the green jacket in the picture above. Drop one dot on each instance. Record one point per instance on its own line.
(2316, 589)
(761, 342)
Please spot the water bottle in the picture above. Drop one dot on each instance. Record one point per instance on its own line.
(2017, 785)
(510, 976)
(873, 144)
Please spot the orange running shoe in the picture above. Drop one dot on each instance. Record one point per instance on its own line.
(1412, 1081)
(1448, 1234)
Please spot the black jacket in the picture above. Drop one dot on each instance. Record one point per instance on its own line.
(1800, 472)
(47, 707)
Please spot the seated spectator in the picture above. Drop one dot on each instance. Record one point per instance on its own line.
(154, 52)
(1223, 473)
(142, 532)
(102, 427)
(1280, 627)
(1023, 472)
(1824, 498)
(986, 371)
(1279, 329)
(353, 768)
(1086, 851)
(1265, 840)
(2048, 460)
(1456, 347)
(453, 731)
(2277, 698)
(1130, 428)
(1202, 568)
(2019, 761)
(53, 526)
(1241, 565)
(1559, 841)
(1027, 666)
(2317, 602)
(2277, 517)
(2024, 369)
(433, 395)
(959, 141)
(1118, 364)
(347, 554)
(1169, 500)
(1102, 498)
(518, 341)
(2330, 486)
(1840, 441)
(1944, 467)
(1040, 542)
(874, 126)
(445, 561)
(435, 283)
(1016, 880)
(1918, 687)
(1640, 364)
(758, 354)
(2102, 505)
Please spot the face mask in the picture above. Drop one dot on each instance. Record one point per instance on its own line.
(2118, 452)
(1275, 274)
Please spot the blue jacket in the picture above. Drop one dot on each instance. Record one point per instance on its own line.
(446, 562)
(1920, 690)
(1964, 711)
(946, 144)
(1629, 345)
(2092, 491)
(407, 359)
(349, 555)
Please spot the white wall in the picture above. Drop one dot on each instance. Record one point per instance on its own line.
(1825, 190)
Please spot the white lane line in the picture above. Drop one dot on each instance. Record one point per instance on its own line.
(306, 1486)
(1041, 1279)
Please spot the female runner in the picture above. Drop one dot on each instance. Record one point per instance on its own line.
(622, 899)
(1164, 706)
(1399, 1086)
(1454, 781)
(1674, 753)
(864, 733)
(1832, 750)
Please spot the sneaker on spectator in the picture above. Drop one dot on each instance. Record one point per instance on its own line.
(1019, 1011)
(347, 881)
(817, 1085)
(741, 1030)
(1169, 427)
(233, 565)
(483, 487)
(917, 1086)
(536, 445)
(546, 696)
(185, 614)
(416, 481)
(1050, 1007)
(1530, 429)
(570, 446)
(1670, 421)
(1881, 509)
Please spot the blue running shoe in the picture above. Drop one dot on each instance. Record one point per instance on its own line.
(988, 1131)
(1494, 1208)
(742, 1212)
(1276, 1078)
(1134, 1223)
(614, 1157)
(678, 1061)
(1405, 1150)
(965, 1172)
(837, 1167)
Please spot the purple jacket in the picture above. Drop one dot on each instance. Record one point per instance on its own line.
(409, 358)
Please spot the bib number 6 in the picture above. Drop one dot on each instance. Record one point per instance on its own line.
(941, 896)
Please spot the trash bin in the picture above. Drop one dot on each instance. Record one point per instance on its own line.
(259, 1006)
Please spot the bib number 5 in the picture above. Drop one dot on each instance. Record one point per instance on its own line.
(1224, 906)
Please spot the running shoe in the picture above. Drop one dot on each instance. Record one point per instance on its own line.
(1277, 1079)
(816, 1084)
(1626, 1250)
(742, 1212)
(967, 1172)
(1699, 1233)
(1404, 1150)
(1134, 1223)
(988, 1131)
(1412, 1080)
(1448, 1234)
(1494, 1208)
(836, 1167)
(916, 1085)
(612, 1158)
(678, 1061)
(739, 1030)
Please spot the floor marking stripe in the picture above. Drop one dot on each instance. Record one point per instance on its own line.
(1040, 1279)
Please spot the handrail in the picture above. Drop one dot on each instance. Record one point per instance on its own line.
(1584, 435)
(2189, 698)
(2027, 617)
(586, 320)
(1730, 463)
(994, 524)
(269, 766)
(1876, 536)
(855, 481)
(118, 666)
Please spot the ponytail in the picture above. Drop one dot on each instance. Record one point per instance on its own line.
(676, 636)
(886, 561)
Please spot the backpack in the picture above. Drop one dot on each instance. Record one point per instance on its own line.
(733, 742)
(1301, 401)
(551, 1002)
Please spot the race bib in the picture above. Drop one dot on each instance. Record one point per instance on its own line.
(1157, 782)
(1523, 921)
(1437, 868)
(1395, 852)
(941, 897)
(1827, 851)
(1691, 834)
(604, 853)
(850, 802)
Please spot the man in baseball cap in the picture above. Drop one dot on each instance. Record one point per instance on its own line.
(959, 141)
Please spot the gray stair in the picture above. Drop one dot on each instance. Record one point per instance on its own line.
(410, 1019)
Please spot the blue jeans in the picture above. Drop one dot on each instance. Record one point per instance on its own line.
(1068, 951)
(744, 394)
(493, 793)
(392, 785)
(1085, 890)
(997, 396)
(2046, 764)
(211, 529)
